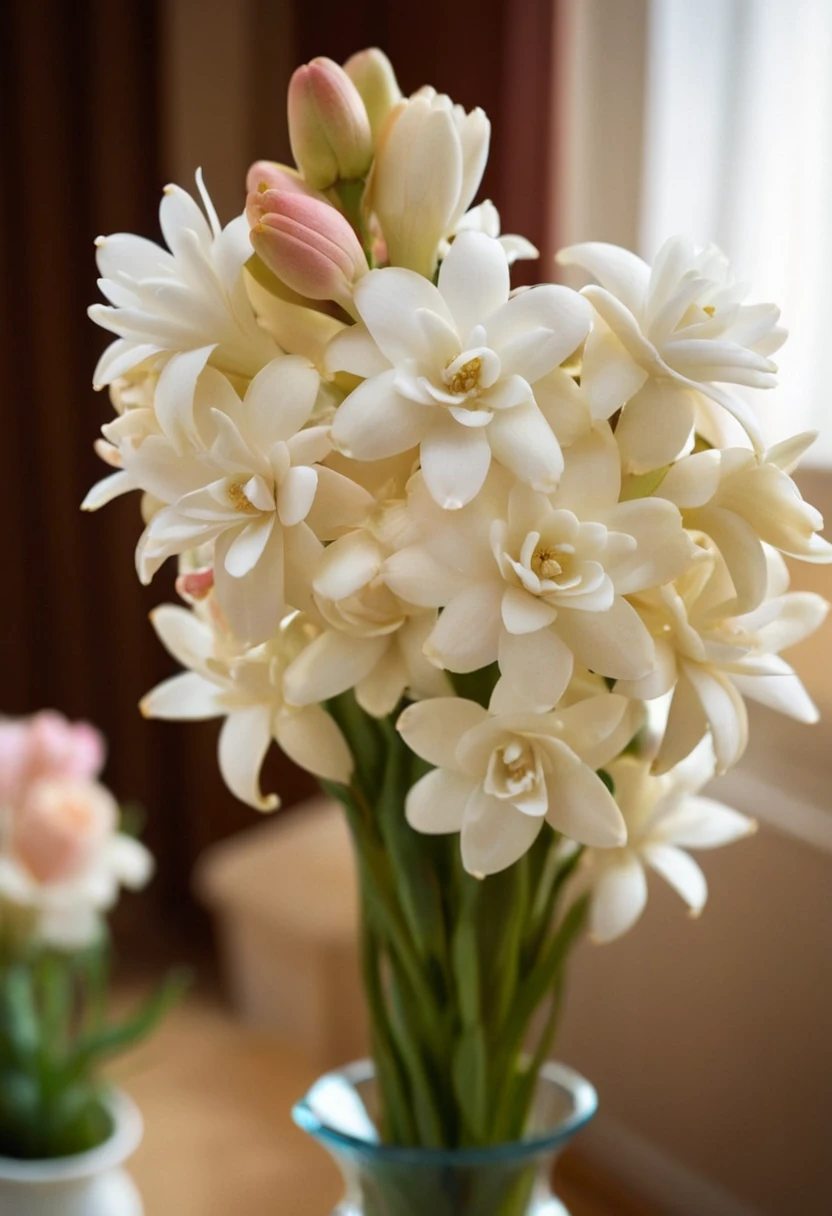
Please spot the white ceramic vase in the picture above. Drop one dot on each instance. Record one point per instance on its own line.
(88, 1184)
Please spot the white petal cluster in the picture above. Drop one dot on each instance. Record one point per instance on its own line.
(430, 483)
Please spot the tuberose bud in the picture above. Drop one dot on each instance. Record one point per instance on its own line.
(307, 243)
(328, 125)
(271, 175)
(372, 74)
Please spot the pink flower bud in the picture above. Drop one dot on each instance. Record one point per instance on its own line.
(58, 748)
(195, 584)
(308, 244)
(328, 125)
(372, 74)
(61, 826)
(270, 175)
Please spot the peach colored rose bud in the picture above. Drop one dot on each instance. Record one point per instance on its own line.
(328, 125)
(60, 827)
(308, 244)
(58, 748)
(372, 74)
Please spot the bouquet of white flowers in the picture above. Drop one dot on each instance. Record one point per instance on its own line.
(501, 565)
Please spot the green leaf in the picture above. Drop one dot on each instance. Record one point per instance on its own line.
(470, 1075)
(110, 1040)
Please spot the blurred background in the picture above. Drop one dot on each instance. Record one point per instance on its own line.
(619, 120)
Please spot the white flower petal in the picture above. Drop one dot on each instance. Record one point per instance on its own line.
(184, 635)
(377, 421)
(536, 665)
(725, 710)
(780, 688)
(523, 441)
(693, 480)
(580, 805)
(618, 898)
(248, 545)
(380, 691)
(703, 823)
(466, 636)
(296, 494)
(387, 301)
(610, 377)
(330, 665)
(433, 729)
(614, 643)
(525, 613)
(280, 398)
(686, 727)
(189, 697)
(618, 270)
(494, 834)
(311, 738)
(455, 461)
(436, 803)
(680, 871)
(654, 426)
(244, 741)
(536, 330)
(417, 577)
(474, 280)
(347, 565)
(254, 605)
(354, 350)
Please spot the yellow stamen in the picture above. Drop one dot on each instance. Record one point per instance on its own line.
(710, 309)
(239, 498)
(467, 378)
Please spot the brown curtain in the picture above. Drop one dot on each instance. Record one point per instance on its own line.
(86, 148)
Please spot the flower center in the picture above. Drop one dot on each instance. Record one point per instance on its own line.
(710, 309)
(239, 499)
(519, 768)
(466, 378)
(548, 562)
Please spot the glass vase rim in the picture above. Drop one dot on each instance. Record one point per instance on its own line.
(584, 1105)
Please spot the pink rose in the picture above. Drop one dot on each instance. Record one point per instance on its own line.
(61, 825)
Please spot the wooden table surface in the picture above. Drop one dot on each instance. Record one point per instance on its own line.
(219, 1140)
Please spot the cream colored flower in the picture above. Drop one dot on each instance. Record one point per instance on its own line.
(499, 777)
(711, 662)
(486, 218)
(430, 158)
(538, 583)
(744, 503)
(191, 297)
(245, 478)
(450, 368)
(245, 685)
(664, 335)
(374, 642)
(664, 817)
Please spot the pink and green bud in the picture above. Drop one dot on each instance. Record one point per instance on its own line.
(328, 125)
(271, 175)
(307, 243)
(372, 74)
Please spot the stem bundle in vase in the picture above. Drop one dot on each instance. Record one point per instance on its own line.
(500, 567)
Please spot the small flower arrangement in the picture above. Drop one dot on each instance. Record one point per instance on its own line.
(500, 567)
(63, 861)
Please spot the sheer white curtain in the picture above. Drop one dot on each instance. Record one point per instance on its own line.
(738, 150)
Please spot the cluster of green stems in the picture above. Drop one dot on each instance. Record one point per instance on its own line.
(463, 976)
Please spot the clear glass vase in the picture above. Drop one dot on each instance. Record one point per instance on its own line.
(384, 1180)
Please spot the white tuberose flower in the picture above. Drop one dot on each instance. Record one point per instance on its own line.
(245, 686)
(249, 491)
(450, 368)
(499, 776)
(538, 583)
(430, 159)
(664, 816)
(375, 642)
(190, 297)
(665, 332)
